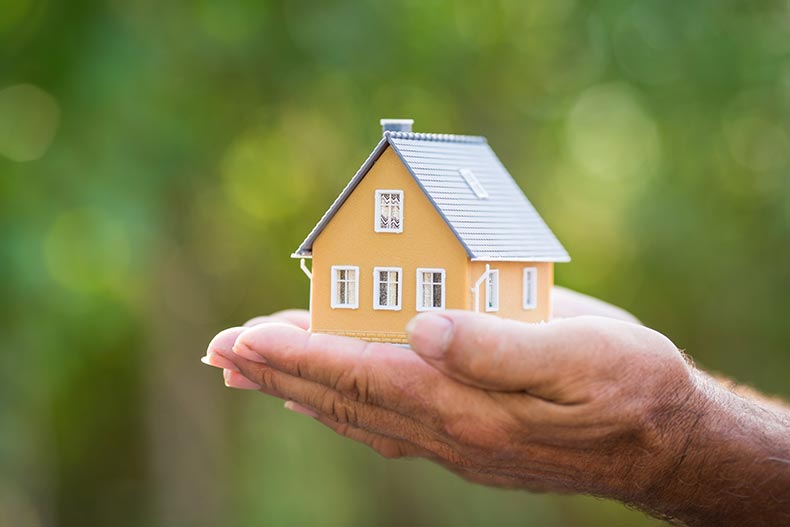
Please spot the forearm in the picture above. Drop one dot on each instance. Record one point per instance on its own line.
(750, 393)
(731, 463)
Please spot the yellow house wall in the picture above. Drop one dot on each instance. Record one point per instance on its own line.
(350, 239)
(511, 289)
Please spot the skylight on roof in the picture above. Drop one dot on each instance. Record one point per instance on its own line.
(473, 183)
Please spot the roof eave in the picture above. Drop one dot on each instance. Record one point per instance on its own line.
(307, 245)
(539, 259)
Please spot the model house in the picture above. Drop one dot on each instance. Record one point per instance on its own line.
(429, 222)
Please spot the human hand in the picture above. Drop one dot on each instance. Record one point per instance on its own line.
(588, 404)
(545, 407)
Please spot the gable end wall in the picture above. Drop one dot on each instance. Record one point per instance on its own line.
(350, 239)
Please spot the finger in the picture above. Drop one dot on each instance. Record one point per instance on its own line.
(388, 447)
(334, 405)
(483, 478)
(222, 340)
(212, 359)
(392, 448)
(297, 317)
(489, 479)
(439, 423)
(225, 339)
(372, 373)
(235, 379)
(567, 303)
(505, 355)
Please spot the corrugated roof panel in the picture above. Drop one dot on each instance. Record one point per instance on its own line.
(502, 226)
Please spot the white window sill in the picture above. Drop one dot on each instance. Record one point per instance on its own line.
(387, 308)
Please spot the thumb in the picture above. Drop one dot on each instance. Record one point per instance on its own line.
(490, 352)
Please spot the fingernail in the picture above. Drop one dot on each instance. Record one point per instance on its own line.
(430, 334)
(237, 380)
(247, 353)
(299, 409)
(212, 359)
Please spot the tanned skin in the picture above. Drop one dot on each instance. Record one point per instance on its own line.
(592, 402)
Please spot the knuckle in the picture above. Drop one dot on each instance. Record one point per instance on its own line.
(354, 384)
(462, 431)
(340, 409)
(656, 363)
(266, 376)
(454, 427)
(471, 434)
(452, 456)
(479, 365)
(343, 429)
(387, 449)
(597, 336)
(297, 368)
(350, 386)
(484, 435)
(479, 357)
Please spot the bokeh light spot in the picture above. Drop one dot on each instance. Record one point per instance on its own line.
(610, 135)
(255, 176)
(87, 250)
(29, 118)
(269, 171)
(650, 52)
(230, 22)
(13, 13)
(539, 14)
(755, 134)
(16, 508)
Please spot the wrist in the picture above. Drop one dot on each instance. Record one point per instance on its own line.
(720, 459)
(670, 422)
(680, 428)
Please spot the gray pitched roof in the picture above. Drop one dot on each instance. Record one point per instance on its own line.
(503, 226)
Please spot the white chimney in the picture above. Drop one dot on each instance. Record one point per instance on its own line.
(396, 125)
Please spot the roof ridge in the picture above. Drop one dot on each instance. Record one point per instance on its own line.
(447, 138)
(504, 227)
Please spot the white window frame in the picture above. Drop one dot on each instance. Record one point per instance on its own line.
(421, 283)
(334, 302)
(530, 285)
(489, 307)
(377, 282)
(376, 219)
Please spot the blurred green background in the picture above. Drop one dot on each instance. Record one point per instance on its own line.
(159, 161)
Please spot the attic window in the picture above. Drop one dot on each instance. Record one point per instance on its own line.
(389, 211)
(473, 183)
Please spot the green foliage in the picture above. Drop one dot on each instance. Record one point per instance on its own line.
(159, 161)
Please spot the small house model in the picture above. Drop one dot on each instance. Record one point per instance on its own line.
(429, 222)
